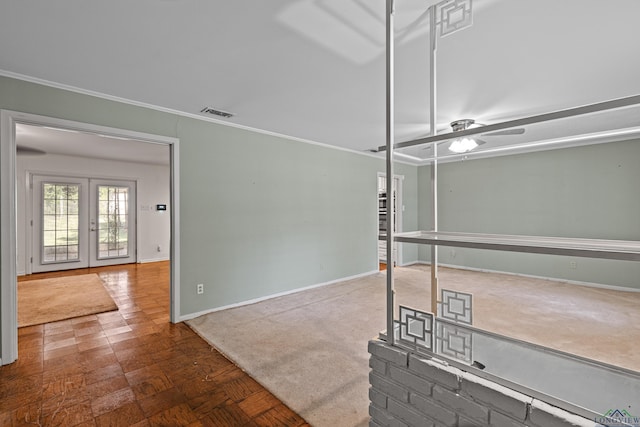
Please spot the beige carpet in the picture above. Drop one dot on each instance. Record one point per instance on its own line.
(49, 300)
(310, 348)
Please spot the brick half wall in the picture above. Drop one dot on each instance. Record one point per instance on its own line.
(409, 390)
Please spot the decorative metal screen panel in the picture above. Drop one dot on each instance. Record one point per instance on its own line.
(456, 306)
(453, 15)
(416, 329)
(454, 342)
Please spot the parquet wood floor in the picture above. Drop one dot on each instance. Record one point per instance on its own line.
(130, 367)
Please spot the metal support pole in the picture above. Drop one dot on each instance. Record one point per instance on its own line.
(434, 164)
(391, 220)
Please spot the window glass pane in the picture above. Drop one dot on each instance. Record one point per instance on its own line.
(72, 222)
(103, 193)
(72, 237)
(49, 238)
(61, 241)
(61, 192)
(49, 223)
(62, 207)
(61, 253)
(60, 222)
(73, 192)
(49, 207)
(113, 226)
(73, 207)
(49, 192)
(73, 252)
(103, 248)
(49, 254)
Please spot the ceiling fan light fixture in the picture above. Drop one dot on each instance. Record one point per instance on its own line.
(463, 145)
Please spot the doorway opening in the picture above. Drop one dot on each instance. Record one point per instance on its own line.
(384, 208)
(114, 244)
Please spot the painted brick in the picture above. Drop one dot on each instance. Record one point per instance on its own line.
(387, 387)
(465, 422)
(391, 354)
(499, 420)
(383, 418)
(378, 398)
(446, 376)
(378, 365)
(434, 410)
(461, 405)
(408, 415)
(544, 415)
(410, 380)
(495, 396)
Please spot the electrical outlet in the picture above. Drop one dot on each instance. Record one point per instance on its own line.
(573, 265)
(200, 288)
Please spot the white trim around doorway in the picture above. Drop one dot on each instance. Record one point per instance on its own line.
(399, 212)
(8, 279)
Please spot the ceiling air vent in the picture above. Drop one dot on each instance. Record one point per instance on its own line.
(215, 112)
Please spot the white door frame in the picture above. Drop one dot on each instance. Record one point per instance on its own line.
(8, 260)
(399, 211)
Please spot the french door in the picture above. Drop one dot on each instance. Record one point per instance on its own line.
(82, 222)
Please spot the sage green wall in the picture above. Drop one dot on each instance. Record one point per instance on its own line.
(589, 191)
(259, 214)
(278, 214)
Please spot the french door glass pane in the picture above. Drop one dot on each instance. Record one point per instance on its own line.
(60, 222)
(113, 221)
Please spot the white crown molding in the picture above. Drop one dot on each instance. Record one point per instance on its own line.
(56, 85)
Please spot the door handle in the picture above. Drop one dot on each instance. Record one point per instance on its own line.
(92, 227)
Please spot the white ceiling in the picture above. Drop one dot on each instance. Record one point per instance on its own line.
(37, 140)
(315, 69)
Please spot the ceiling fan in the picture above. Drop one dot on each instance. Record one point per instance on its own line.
(465, 144)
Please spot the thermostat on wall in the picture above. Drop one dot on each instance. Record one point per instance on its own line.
(161, 207)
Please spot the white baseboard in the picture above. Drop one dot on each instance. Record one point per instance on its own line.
(531, 276)
(279, 294)
(148, 260)
(142, 261)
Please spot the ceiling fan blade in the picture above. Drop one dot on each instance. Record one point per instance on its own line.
(517, 131)
(29, 151)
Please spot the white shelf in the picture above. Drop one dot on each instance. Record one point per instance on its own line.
(591, 248)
